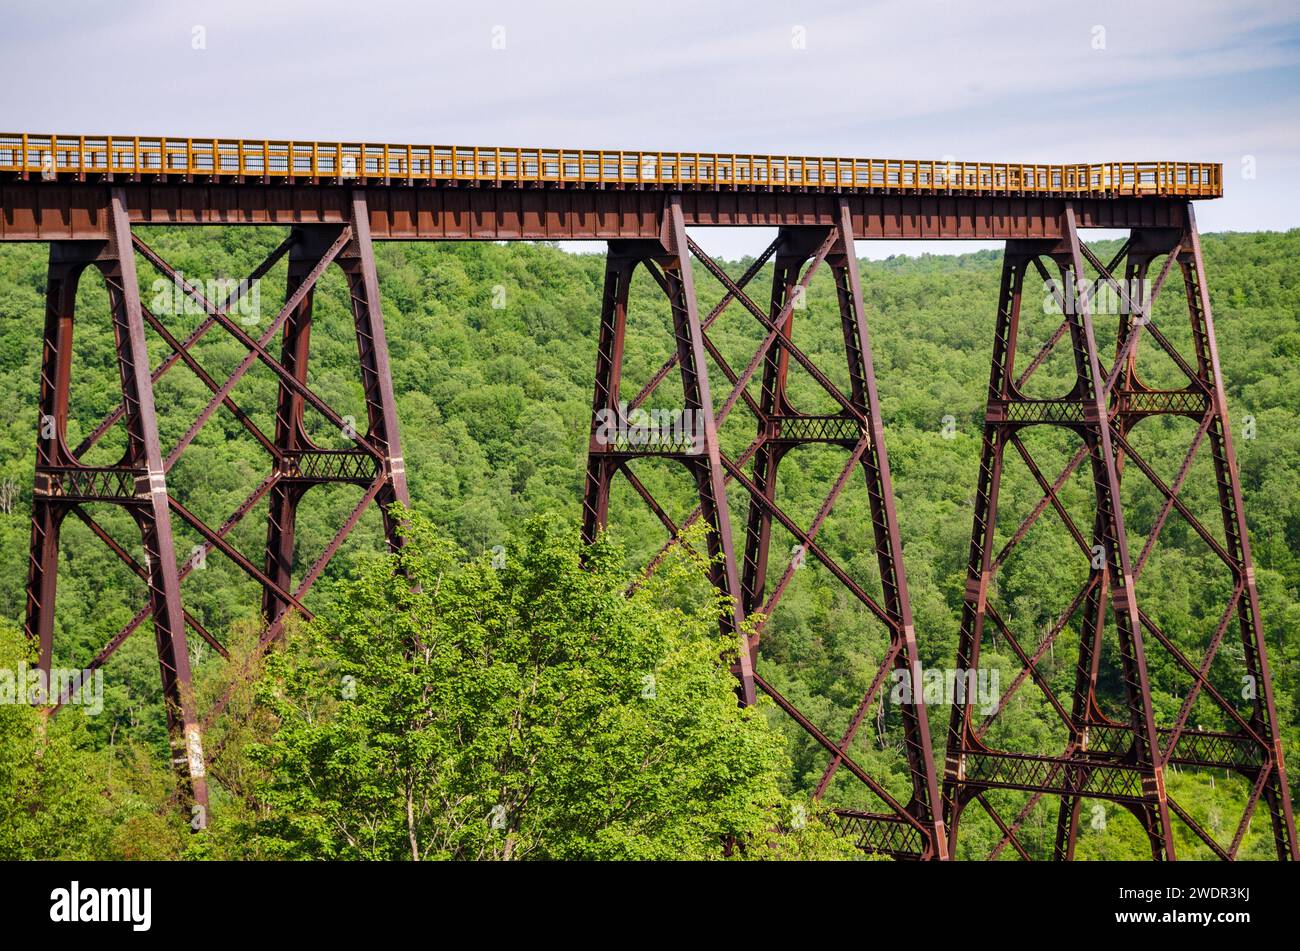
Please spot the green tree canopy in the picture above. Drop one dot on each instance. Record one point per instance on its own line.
(450, 709)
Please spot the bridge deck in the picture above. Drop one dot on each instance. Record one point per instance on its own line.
(141, 158)
(56, 187)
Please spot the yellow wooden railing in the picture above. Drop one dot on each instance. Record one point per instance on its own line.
(55, 156)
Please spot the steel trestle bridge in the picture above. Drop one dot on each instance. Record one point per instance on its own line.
(86, 195)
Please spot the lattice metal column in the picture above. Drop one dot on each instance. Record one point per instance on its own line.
(909, 829)
(669, 262)
(137, 482)
(1120, 760)
(302, 462)
(1269, 775)
(972, 768)
(373, 460)
(291, 439)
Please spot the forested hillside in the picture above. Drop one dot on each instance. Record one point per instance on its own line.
(493, 349)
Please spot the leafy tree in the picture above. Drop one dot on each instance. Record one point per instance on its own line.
(60, 798)
(448, 708)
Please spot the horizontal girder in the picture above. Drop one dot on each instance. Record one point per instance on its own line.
(45, 211)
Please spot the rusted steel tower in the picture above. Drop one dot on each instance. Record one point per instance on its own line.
(912, 828)
(85, 195)
(138, 482)
(1122, 756)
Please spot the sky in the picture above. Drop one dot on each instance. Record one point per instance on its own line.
(1015, 80)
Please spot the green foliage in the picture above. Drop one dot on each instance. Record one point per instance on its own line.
(449, 709)
(60, 798)
(494, 397)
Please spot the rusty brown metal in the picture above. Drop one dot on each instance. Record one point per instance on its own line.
(903, 829)
(138, 481)
(1104, 758)
(36, 211)
(88, 220)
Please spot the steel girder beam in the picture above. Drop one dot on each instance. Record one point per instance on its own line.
(912, 829)
(138, 481)
(51, 211)
(1104, 758)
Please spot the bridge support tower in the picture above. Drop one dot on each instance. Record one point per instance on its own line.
(370, 457)
(906, 827)
(1118, 757)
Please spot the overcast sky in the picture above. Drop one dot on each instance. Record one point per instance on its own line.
(1013, 80)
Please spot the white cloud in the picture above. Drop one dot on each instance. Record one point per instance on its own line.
(1019, 80)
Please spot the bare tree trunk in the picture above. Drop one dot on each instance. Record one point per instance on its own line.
(410, 817)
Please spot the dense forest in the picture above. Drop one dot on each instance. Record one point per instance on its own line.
(493, 349)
